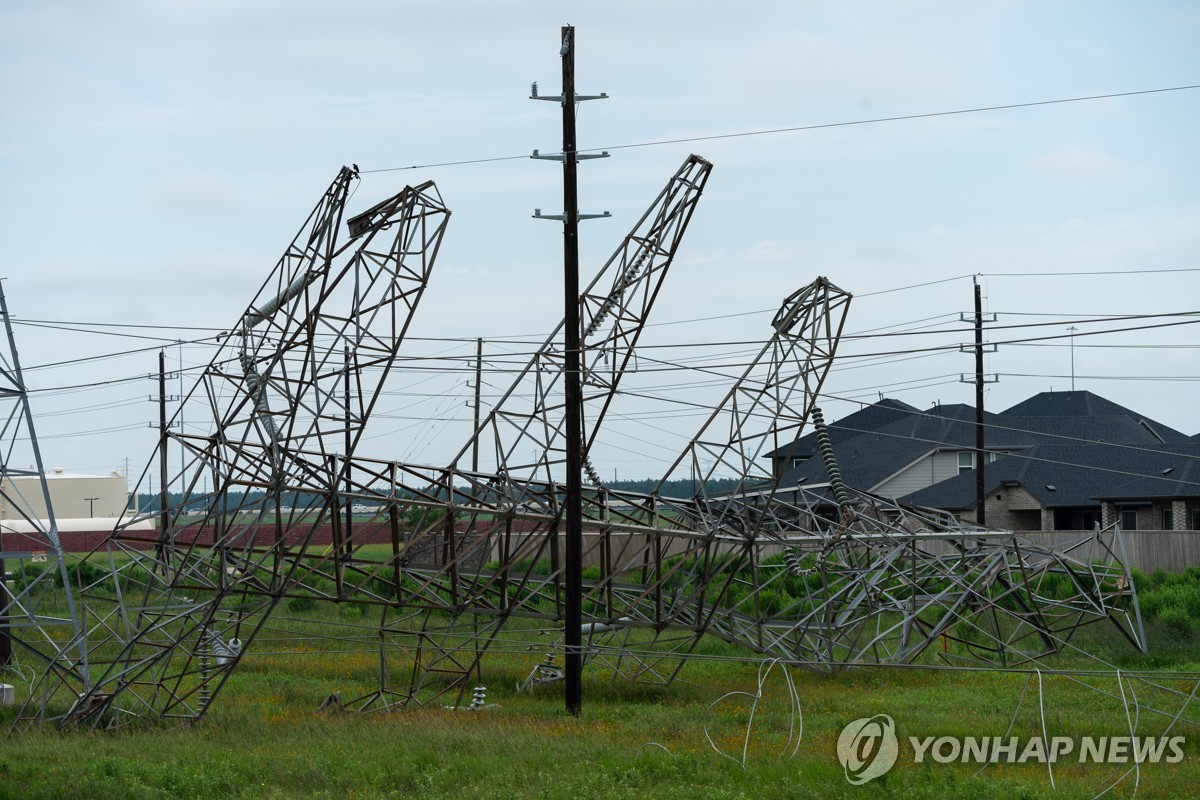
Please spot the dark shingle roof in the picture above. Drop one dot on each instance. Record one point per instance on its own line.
(1048, 412)
(1079, 474)
(867, 459)
(1177, 481)
(867, 418)
(1076, 442)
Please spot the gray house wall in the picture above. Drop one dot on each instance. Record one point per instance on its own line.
(933, 468)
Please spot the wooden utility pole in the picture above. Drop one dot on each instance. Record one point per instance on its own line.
(980, 499)
(478, 376)
(572, 566)
(5, 638)
(164, 528)
(573, 561)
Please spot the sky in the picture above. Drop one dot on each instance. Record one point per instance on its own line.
(158, 157)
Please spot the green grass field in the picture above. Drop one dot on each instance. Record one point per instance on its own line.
(265, 737)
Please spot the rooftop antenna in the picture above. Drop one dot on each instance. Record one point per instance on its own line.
(1072, 329)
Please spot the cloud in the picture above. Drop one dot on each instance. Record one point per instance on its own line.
(201, 193)
(1076, 165)
(884, 250)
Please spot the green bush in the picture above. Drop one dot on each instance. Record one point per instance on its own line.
(1172, 600)
(528, 565)
(85, 574)
(1177, 620)
(1182, 595)
(299, 604)
(27, 573)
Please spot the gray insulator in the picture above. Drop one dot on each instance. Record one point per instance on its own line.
(479, 699)
(257, 315)
(256, 387)
(627, 279)
(831, 467)
(223, 651)
(591, 472)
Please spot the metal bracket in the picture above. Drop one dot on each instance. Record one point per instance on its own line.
(558, 98)
(561, 156)
(537, 214)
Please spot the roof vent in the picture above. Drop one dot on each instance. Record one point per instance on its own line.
(1151, 430)
(1051, 487)
(1168, 470)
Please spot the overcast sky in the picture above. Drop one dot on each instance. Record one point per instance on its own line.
(158, 157)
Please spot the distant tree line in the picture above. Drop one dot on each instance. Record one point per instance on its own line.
(679, 489)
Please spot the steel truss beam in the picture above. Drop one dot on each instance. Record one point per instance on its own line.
(473, 562)
(528, 418)
(39, 619)
(286, 397)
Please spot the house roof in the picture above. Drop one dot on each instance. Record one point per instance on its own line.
(867, 418)
(1048, 411)
(867, 459)
(1177, 481)
(1064, 476)
(1082, 445)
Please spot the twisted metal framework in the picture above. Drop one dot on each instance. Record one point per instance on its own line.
(528, 418)
(292, 384)
(460, 563)
(32, 617)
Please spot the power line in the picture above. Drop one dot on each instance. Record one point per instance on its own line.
(411, 364)
(1067, 274)
(1056, 323)
(819, 126)
(146, 326)
(1168, 378)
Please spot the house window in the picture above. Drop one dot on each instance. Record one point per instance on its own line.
(1129, 520)
(1167, 518)
(1196, 519)
(966, 459)
(798, 461)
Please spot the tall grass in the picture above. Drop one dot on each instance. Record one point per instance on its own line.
(264, 738)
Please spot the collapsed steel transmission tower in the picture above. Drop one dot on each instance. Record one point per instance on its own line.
(292, 384)
(41, 605)
(463, 562)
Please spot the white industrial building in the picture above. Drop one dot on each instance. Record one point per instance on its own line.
(74, 497)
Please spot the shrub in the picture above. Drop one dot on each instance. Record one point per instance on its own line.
(1177, 620)
(85, 574)
(298, 604)
(524, 565)
(27, 574)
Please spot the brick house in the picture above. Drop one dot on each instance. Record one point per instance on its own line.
(1057, 461)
